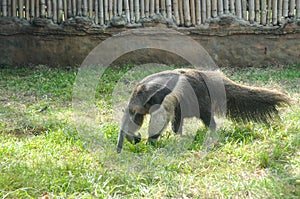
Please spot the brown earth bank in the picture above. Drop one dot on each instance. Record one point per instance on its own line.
(229, 42)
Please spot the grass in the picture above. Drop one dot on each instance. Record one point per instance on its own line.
(43, 152)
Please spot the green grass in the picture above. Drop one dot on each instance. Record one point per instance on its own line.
(41, 150)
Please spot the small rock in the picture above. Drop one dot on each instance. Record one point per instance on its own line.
(118, 21)
(42, 22)
(80, 23)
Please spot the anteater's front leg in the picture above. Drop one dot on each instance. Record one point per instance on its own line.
(177, 122)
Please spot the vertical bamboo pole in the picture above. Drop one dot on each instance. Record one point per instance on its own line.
(137, 10)
(147, 4)
(208, 9)
(43, 8)
(157, 6)
(27, 10)
(214, 11)
(279, 11)
(78, 6)
(244, 9)
(127, 12)
(152, 8)
(20, 8)
(226, 6)
(274, 13)
(238, 6)
(220, 7)
(232, 7)
(120, 7)
(32, 9)
(251, 11)
(4, 8)
(263, 12)
(59, 11)
(269, 7)
(142, 8)
(193, 20)
(292, 8)
(85, 8)
(96, 11)
(37, 8)
(203, 6)
(74, 8)
(48, 10)
(110, 8)
(13, 7)
(101, 14)
(106, 17)
(163, 7)
(186, 11)
(65, 14)
(115, 7)
(90, 11)
(298, 9)
(257, 11)
(69, 8)
(181, 17)
(9, 9)
(131, 12)
(54, 6)
(169, 9)
(285, 9)
(198, 12)
(176, 13)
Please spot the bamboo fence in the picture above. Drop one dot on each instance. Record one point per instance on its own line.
(182, 12)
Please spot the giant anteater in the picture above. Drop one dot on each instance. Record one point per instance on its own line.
(181, 93)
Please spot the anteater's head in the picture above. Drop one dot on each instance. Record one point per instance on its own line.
(133, 117)
(146, 98)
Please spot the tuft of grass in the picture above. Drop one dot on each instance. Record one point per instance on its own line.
(42, 150)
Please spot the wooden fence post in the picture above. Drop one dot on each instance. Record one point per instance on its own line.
(214, 11)
(198, 12)
(20, 9)
(220, 7)
(208, 9)
(176, 12)
(274, 13)
(186, 12)
(226, 6)
(137, 10)
(203, 6)
(292, 8)
(238, 6)
(298, 9)
(257, 11)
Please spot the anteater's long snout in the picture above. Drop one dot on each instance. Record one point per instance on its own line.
(130, 137)
(120, 141)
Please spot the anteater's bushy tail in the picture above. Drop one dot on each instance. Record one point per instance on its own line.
(251, 103)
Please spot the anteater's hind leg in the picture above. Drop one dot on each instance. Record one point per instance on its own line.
(208, 120)
(211, 138)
